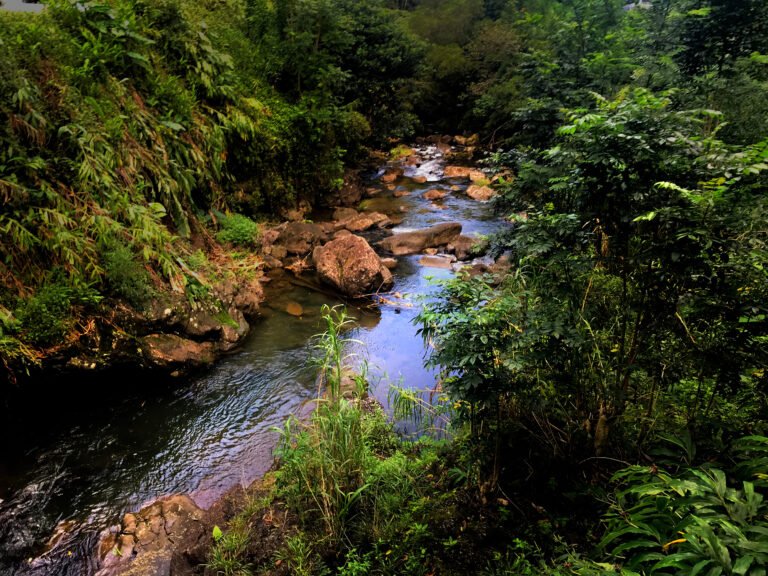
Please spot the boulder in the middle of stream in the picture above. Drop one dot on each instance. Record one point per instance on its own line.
(416, 241)
(351, 266)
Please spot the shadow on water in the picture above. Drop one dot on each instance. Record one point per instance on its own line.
(75, 459)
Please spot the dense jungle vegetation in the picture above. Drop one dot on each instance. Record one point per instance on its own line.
(607, 396)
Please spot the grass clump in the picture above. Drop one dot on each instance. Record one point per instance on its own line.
(237, 229)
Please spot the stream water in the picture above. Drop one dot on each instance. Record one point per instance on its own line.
(74, 461)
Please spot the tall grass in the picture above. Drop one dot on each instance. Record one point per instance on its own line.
(324, 463)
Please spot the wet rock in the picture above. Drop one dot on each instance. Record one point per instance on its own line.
(359, 224)
(456, 172)
(419, 179)
(233, 330)
(351, 191)
(389, 262)
(201, 322)
(170, 351)
(300, 237)
(145, 541)
(248, 297)
(341, 233)
(351, 266)
(380, 220)
(480, 192)
(392, 174)
(416, 241)
(354, 221)
(401, 193)
(278, 252)
(473, 140)
(344, 213)
(438, 206)
(272, 262)
(466, 247)
(294, 308)
(434, 194)
(269, 237)
(443, 262)
(477, 176)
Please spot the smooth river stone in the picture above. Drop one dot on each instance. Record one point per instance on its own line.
(436, 262)
(294, 309)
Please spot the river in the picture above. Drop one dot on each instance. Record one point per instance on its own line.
(76, 459)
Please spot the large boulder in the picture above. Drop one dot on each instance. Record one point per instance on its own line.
(457, 172)
(418, 240)
(480, 192)
(351, 266)
(300, 237)
(172, 352)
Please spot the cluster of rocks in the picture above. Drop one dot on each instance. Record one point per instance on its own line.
(171, 333)
(347, 263)
(173, 536)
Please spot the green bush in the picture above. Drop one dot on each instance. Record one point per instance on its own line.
(237, 229)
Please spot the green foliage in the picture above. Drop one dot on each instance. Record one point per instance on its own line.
(128, 121)
(697, 520)
(237, 229)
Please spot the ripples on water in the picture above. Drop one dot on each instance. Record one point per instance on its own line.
(91, 450)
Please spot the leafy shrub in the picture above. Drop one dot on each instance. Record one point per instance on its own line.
(125, 276)
(697, 521)
(237, 229)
